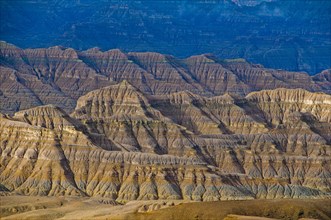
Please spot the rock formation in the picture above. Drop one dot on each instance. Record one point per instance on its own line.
(59, 76)
(124, 145)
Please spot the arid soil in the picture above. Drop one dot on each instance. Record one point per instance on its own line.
(33, 207)
(245, 210)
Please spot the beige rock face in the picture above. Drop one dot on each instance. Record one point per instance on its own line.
(280, 104)
(125, 116)
(123, 145)
(60, 76)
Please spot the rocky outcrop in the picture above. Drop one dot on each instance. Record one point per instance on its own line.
(214, 76)
(123, 145)
(279, 105)
(48, 116)
(47, 164)
(124, 115)
(59, 76)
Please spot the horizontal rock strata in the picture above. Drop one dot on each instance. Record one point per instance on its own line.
(123, 145)
(59, 76)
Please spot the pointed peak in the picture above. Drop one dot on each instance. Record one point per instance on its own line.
(226, 98)
(47, 116)
(120, 88)
(206, 58)
(57, 51)
(117, 101)
(125, 83)
(231, 96)
(50, 110)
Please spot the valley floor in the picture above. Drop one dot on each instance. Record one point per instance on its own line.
(30, 207)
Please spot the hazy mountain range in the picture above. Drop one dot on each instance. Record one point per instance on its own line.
(290, 35)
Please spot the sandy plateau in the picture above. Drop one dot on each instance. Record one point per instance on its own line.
(41, 207)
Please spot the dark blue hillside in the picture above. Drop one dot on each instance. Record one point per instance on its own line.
(291, 35)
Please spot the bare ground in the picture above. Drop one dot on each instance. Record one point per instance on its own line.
(31, 207)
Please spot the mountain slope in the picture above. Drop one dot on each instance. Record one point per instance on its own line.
(123, 145)
(59, 76)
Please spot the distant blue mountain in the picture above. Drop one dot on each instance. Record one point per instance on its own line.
(286, 34)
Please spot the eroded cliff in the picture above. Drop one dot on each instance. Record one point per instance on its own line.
(123, 145)
(59, 76)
